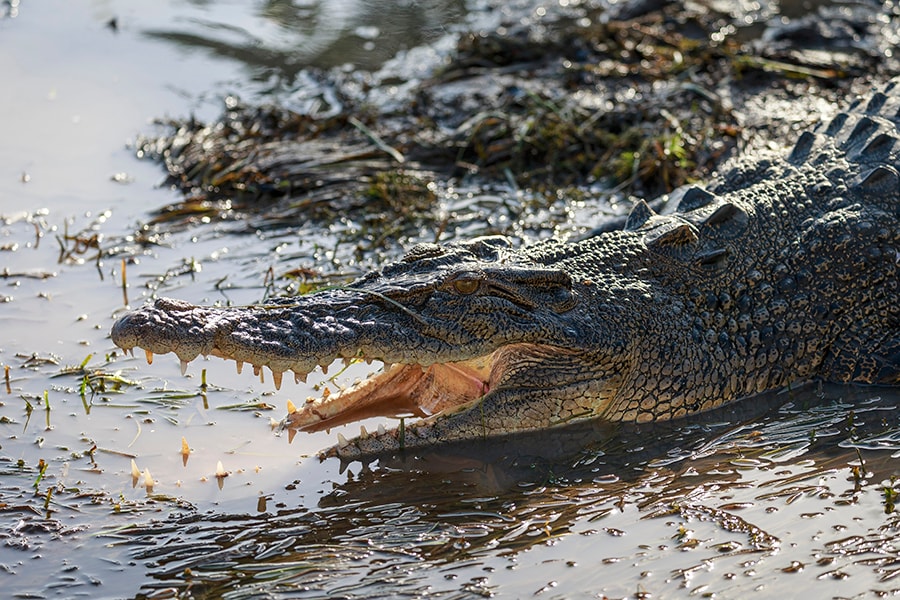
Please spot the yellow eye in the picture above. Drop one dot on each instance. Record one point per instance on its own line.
(466, 286)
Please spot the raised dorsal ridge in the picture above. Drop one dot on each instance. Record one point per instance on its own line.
(883, 178)
(836, 123)
(878, 147)
(691, 197)
(802, 148)
(640, 214)
(861, 132)
(724, 213)
(875, 103)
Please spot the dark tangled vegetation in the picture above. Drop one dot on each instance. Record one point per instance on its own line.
(640, 101)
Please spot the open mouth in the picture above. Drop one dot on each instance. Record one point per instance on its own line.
(400, 390)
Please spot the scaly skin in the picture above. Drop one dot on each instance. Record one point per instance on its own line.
(782, 271)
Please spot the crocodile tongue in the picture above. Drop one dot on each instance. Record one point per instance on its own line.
(400, 390)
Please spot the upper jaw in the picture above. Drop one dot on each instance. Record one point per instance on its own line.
(441, 374)
(299, 335)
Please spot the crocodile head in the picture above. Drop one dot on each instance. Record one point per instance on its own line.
(477, 339)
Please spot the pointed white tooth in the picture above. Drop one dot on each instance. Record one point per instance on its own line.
(240, 366)
(149, 357)
(148, 479)
(184, 365)
(362, 431)
(276, 376)
(381, 429)
(256, 370)
(129, 352)
(291, 408)
(342, 441)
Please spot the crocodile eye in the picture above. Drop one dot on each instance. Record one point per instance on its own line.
(466, 286)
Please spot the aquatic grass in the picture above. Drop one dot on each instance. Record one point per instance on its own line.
(94, 381)
(29, 409)
(891, 494)
(74, 246)
(253, 405)
(47, 406)
(41, 471)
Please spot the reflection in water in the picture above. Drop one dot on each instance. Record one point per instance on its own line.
(710, 502)
(281, 37)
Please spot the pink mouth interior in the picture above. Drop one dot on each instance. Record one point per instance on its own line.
(402, 390)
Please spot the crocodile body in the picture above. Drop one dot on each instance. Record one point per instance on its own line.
(780, 270)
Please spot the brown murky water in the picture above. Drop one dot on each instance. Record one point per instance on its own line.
(785, 496)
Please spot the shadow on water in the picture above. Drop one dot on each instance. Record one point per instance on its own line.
(411, 524)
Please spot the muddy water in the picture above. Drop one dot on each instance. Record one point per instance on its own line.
(789, 495)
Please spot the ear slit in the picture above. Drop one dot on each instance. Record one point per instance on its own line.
(712, 258)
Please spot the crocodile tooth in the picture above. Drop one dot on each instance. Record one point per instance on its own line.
(276, 376)
(388, 366)
(256, 370)
(240, 366)
(347, 361)
(149, 357)
(368, 361)
(381, 429)
(300, 377)
(291, 407)
(184, 365)
(362, 431)
(129, 352)
(324, 368)
(148, 479)
(342, 441)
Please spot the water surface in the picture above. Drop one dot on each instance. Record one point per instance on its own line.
(791, 496)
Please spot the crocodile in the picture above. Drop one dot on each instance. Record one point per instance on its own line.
(782, 269)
